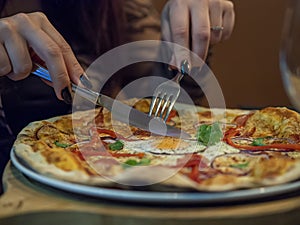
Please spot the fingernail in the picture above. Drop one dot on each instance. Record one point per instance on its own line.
(85, 81)
(66, 95)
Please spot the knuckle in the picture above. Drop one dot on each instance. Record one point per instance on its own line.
(229, 5)
(202, 35)
(6, 26)
(40, 15)
(181, 31)
(61, 77)
(65, 48)
(21, 18)
(40, 18)
(53, 50)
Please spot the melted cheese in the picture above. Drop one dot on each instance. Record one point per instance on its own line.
(165, 145)
(275, 122)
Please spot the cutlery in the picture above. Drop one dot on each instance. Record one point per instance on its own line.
(166, 94)
(120, 111)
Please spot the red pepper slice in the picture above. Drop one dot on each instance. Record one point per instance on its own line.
(234, 131)
(172, 114)
(194, 174)
(195, 162)
(111, 133)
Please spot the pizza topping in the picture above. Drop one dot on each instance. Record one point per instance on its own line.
(133, 162)
(62, 145)
(232, 133)
(239, 164)
(165, 145)
(209, 134)
(258, 142)
(106, 133)
(118, 145)
(192, 166)
(275, 122)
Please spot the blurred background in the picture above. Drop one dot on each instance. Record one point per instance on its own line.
(247, 65)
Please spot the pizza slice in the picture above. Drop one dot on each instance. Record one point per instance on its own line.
(272, 128)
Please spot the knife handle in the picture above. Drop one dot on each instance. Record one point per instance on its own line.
(90, 95)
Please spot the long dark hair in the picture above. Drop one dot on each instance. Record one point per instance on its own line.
(98, 22)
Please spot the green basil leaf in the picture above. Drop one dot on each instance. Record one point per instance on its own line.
(144, 162)
(258, 142)
(240, 165)
(118, 145)
(61, 145)
(133, 162)
(209, 134)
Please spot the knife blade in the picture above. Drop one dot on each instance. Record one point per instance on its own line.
(120, 111)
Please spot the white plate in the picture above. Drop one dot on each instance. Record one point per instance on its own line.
(154, 196)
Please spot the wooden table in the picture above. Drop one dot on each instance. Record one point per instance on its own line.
(28, 202)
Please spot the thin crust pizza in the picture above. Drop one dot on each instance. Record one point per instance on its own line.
(228, 149)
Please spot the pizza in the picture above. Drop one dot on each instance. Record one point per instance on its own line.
(228, 149)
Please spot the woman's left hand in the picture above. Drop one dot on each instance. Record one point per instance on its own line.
(194, 24)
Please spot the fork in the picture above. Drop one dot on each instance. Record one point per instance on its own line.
(166, 94)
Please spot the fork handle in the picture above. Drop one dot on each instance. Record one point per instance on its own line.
(184, 70)
(185, 67)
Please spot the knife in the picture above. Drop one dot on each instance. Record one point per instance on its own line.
(120, 111)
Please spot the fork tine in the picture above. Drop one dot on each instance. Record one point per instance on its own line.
(154, 99)
(166, 103)
(169, 110)
(166, 94)
(161, 100)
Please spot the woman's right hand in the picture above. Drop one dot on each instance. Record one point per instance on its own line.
(22, 31)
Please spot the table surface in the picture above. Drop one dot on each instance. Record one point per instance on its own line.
(26, 200)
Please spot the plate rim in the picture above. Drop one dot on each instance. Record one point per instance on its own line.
(138, 196)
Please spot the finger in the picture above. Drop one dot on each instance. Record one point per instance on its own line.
(166, 52)
(73, 67)
(179, 18)
(216, 17)
(228, 20)
(165, 25)
(5, 67)
(14, 53)
(48, 51)
(200, 29)
(19, 56)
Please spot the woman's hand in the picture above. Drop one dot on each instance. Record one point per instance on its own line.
(189, 23)
(22, 31)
